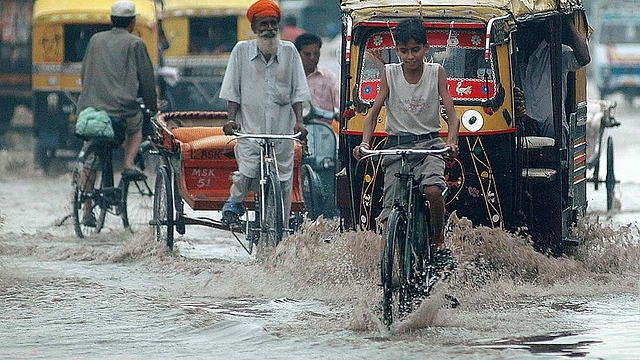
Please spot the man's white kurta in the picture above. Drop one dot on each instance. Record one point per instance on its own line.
(265, 92)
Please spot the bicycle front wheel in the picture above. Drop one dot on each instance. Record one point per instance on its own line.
(394, 282)
(89, 209)
(137, 203)
(272, 212)
(423, 276)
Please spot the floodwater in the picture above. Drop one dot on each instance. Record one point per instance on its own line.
(121, 295)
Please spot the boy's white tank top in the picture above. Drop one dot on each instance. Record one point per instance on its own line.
(412, 108)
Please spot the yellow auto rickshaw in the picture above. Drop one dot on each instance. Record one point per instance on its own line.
(502, 177)
(200, 35)
(61, 32)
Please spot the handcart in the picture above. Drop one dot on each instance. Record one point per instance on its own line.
(196, 168)
(600, 118)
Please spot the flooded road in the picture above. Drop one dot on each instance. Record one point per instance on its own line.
(121, 295)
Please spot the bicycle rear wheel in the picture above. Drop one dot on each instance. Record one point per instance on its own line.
(87, 187)
(137, 204)
(394, 282)
(272, 213)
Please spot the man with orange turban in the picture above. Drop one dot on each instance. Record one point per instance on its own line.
(263, 8)
(265, 86)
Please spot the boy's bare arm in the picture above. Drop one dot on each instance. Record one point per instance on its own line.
(453, 119)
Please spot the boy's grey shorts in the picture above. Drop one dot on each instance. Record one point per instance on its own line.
(429, 171)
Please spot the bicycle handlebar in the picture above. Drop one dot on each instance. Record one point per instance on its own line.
(369, 153)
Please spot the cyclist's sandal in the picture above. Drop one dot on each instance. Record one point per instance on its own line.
(231, 211)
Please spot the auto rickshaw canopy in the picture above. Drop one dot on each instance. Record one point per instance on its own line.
(205, 7)
(482, 10)
(88, 11)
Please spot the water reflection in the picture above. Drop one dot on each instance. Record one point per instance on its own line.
(612, 326)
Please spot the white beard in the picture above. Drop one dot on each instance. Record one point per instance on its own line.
(267, 44)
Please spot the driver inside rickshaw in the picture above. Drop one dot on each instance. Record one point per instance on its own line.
(533, 100)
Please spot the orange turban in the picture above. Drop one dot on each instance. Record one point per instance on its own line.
(263, 8)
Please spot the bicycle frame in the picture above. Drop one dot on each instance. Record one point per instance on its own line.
(413, 250)
(268, 166)
(404, 197)
(104, 154)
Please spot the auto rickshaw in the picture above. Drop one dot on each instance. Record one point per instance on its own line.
(61, 32)
(200, 35)
(502, 178)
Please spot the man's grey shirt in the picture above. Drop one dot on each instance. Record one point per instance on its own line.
(116, 70)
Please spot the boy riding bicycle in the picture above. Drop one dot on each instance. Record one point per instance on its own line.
(411, 92)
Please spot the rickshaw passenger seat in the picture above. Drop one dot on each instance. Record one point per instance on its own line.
(189, 134)
(216, 142)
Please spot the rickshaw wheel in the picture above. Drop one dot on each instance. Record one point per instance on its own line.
(163, 207)
(311, 192)
(611, 178)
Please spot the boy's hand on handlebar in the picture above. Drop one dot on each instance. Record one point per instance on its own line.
(356, 151)
(300, 128)
(453, 152)
(230, 127)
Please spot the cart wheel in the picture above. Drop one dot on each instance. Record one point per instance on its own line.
(163, 207)
(311, 192)
(611, 177)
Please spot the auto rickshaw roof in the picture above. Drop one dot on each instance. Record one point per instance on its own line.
(87, 11)
(362, 10)
(172, 8)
